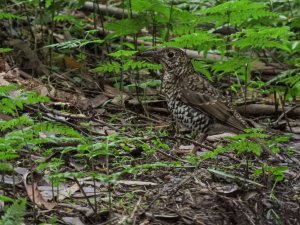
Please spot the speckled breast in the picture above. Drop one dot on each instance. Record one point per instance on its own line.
(188, 116)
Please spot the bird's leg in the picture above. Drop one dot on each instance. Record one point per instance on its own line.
(175, 127)
(200, 139)
(195, 135)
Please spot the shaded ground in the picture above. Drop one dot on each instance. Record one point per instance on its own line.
(214, 191)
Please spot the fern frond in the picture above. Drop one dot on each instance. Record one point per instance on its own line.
(5, 50)
(154, 6)
(5, 89)
(66, 18)
(78, 43)
(201, 41)
(238, 12)
(122, 53)
(16, 139)
(14, 215)
(289, 77)
(201, 68)
(6, 167)
(124, 27)
(138, 65)
(22, 120)
(263, 37)
(9, 16)
(6, 199)
(56, 128)
(65, 175)
(150, 83)
(293, 81)
(183, 22)
(235, 65)
(7, 155)
(115, 67)
(109, 67)
(9, 105)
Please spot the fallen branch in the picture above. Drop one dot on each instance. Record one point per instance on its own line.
(265, 110)
(106, 10)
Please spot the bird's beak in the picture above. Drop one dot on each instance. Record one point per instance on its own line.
(148, 55)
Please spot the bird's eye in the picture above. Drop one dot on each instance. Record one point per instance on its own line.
(171, 54)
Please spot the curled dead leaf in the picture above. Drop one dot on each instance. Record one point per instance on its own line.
(35, 195)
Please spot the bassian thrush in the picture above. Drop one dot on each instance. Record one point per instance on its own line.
(192, 100)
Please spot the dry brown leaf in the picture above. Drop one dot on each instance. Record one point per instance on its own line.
(185, 149)
(110, 91)
(42, 90)
(72, 220)
(120, 99)
(35, 195)
(71, 63)
(2, 80)
(5, 116)
(66, 193)
(85, 210)
(217, 137)
(227, 189)
(98, 100)
(136, 183)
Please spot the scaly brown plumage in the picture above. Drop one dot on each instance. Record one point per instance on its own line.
(191, 99)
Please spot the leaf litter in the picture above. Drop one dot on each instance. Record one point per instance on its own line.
(213, 191)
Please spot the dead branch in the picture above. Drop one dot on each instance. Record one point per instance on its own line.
(106, 10)
(265, 110)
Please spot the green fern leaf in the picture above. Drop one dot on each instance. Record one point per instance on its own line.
(150, 6)
(5, 50)
(236, 65)
(109, 67)
(201, 68)
(22, 120)
(237, 12)
(263, 37)
(14, 215)
(122, 53)
(201, 41)
(78, 43)
(124, 27)
(5, 89)
(6, 155)
(9, 16)
(5, 167)
(6, 199)
(57, 128)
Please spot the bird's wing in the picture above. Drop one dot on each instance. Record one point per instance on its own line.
(212, 106)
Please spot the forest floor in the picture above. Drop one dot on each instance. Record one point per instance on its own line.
(217, 190)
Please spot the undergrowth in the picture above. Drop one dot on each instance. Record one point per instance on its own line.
(239, 33)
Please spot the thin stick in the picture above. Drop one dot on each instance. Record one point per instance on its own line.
(286, 112)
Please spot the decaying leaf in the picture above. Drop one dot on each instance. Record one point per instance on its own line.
(35, 195)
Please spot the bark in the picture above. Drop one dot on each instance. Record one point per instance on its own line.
(265, 110)
(106, 10)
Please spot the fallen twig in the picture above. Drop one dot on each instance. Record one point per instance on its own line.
(261, 109)
(291, 109)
